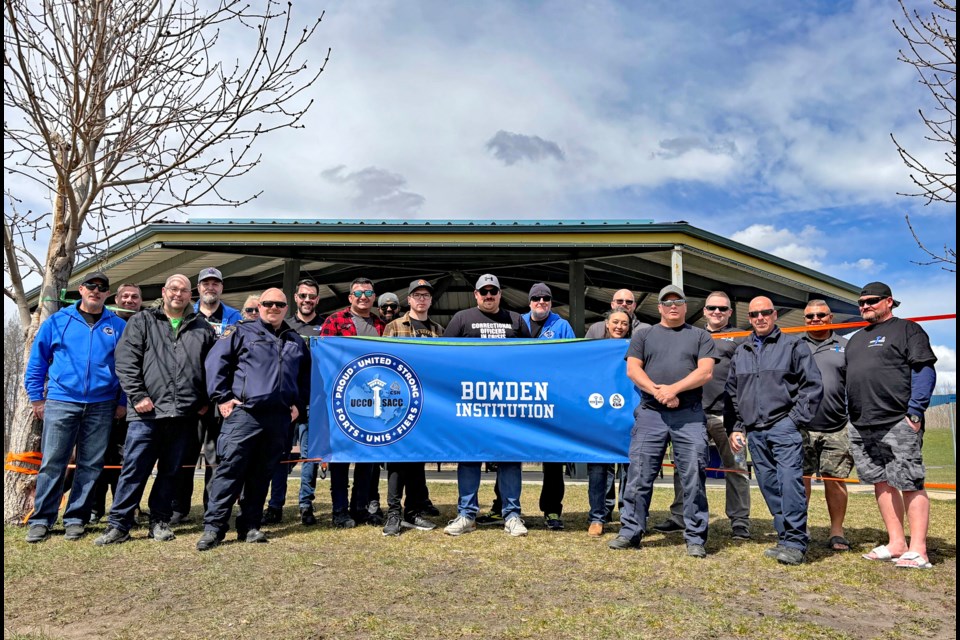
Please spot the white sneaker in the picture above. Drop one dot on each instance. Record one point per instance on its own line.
(515, 527)
(460, 526)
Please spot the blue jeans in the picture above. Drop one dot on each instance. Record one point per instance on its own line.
(278, 483)
(308, 470)
(687, 430)
(65, 425)
(150, 441)
(249, 446)
(777, 455)
(601, 479)
(468, 485)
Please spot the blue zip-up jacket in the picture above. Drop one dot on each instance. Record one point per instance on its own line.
(781, 380)
(260, 368)
(554, 327)
(76, 359)
(231, 316)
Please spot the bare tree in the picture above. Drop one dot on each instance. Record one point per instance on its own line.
(121, 112)
(12, 374)
(932, 50)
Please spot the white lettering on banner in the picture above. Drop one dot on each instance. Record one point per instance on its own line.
(522, 400)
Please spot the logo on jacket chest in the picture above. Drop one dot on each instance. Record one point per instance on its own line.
(377, 399)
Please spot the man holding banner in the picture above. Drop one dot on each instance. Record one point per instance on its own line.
(669, 362)
(487, 321)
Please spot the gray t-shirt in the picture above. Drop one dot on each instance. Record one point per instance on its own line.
(670, 355)
(365, 326)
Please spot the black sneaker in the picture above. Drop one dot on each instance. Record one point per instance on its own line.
(161, 532)
(74, 532)
(553, 522)
(668, 526)
(392, 528)
(272, 515)
(112, 536)
(179, 518)
(375, 519)
(429, 509)
(418, 522)
(741, 532)
(37, 533)
(621, 542)
(791, 556)
(255, 536)
(773, 552)
(307, 517)
(343, 521)
(491, 518)
(696, 551)
(209, 540)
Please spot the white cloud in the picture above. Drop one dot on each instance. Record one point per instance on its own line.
(797, 247)
(946, 368)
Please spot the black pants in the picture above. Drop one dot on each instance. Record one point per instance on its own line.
(551, 493)
(359, 498)
(409, 476)
(205, 443)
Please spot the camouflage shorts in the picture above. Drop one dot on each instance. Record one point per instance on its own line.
(827, 454)
(890, 454)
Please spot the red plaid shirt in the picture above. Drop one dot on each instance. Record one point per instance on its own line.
(341, 324)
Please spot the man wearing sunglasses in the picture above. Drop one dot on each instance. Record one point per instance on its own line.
(389, 307)
(890, 379)
(306, 322)
(622, 300)
(669, 363)
(72, 385)
(409, 476)
(258, 374)
(826, 445)
(355, 320)
(544, 324)
(717, 312)
(775, 389)
(220, 316)
(160, 366)
(487, 320)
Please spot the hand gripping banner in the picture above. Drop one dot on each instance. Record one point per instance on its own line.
(443, 400)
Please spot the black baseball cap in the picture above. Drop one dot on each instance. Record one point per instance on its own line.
(98, 275)
(878, 289)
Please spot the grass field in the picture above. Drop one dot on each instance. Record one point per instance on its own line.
(324, 583)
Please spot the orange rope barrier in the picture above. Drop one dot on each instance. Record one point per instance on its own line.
(825, 327)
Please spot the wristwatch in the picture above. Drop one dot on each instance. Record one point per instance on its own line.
(915, 419)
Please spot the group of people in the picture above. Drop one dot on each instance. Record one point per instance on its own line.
(233, 385)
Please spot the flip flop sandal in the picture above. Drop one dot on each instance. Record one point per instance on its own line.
(913, 560)
(880, 554)
(839, 543)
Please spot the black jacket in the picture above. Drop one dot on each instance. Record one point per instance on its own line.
(167, 367)
(781, 380)
(261, 368)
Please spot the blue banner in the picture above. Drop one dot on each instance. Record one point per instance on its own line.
(442, 400)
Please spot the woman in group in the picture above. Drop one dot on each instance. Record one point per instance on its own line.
(601, 476)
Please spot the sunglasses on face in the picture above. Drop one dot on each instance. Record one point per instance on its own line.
(713, 307)
(307, 296)
(489, 292)
(869, 302)
(766, 313)
(270, 304)
(360, 294)
(96, 286)
(540, 299)
(251, 310)
(820, 315)
(673, 303)
(390, 307)
(624, 303)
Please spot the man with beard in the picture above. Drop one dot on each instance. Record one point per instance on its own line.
(160, 366)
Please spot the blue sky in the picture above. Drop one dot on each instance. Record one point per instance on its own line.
(767, 122)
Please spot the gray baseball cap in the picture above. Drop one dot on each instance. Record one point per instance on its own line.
(210, 272)
(487, 280)
(667, 290)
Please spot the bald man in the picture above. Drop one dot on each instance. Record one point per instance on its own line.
(776, 388)
(258, 376)
(622, 300)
